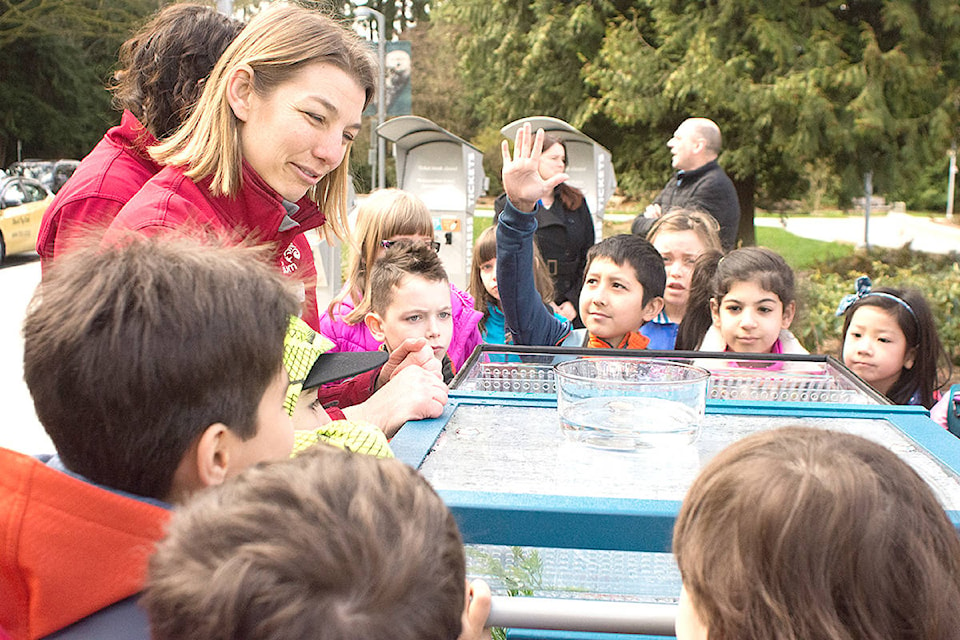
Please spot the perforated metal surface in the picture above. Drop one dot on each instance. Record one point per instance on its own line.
(776, 379)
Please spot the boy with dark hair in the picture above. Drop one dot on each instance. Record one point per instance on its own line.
(622, 285)
(410, 298)
(155, 366)
(329, 544)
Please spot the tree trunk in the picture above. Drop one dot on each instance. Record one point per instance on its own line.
(746, 192)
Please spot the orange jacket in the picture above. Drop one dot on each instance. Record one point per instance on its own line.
(67, 548)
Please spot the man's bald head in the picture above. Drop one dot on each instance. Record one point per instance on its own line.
(696, 142)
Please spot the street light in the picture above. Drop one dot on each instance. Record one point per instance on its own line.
(367, 12)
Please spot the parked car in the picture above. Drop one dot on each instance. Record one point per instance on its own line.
(22, 203)
(50, 173)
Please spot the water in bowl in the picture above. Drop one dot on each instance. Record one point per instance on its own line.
(629, 424)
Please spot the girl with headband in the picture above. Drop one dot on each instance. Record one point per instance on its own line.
(891, 342)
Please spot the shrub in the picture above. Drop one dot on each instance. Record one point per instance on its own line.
(820, 290)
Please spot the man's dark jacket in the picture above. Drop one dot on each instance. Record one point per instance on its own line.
(706, 188)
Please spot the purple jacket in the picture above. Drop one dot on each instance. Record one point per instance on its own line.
(356, 337)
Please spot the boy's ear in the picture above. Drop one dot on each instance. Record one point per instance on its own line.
(203, 465)
(375, 323)
(240, 90)
(213, 455)
(651, 309)
(715, 312)
(788, 312)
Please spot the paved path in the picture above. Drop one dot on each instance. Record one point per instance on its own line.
(19, 428)
(932, 235)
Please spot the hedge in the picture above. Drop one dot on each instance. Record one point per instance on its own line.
(820, 290)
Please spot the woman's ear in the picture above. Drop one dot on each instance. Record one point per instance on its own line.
(788, 312)
(240, 91)
(375, 323)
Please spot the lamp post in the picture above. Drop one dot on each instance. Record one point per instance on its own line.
(367, 12)
(951, 180)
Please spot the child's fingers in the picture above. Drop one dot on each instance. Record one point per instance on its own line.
(537, 146)
(518, 143)
(505, 151)
(555, 180)
(476, 611)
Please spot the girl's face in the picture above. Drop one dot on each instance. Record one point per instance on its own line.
(750, 318)
(875, 347)
(300, 131)
(680, 250)
(488, 276)
(553, 161)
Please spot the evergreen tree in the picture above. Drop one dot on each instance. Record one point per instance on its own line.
(867, 85)
(55, 61)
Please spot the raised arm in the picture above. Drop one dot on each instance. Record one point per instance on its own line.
(530, 321)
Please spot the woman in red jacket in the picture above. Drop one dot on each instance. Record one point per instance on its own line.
(261, 158)
(262, 154)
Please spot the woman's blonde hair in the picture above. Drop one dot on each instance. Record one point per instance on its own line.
(276, 44)
(384, 214)
(703, 224)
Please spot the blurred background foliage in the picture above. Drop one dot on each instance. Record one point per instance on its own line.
(810, 95)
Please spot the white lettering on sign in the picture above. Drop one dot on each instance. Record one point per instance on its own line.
(471, 178)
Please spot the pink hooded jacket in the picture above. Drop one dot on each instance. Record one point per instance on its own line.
(356, 337)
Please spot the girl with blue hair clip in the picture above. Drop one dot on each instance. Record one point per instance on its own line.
(890, 340)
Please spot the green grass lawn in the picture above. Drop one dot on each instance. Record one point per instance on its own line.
(800, 253)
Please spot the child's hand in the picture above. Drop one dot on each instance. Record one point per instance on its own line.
(410, 352)
(475, 612)
(412, 394)
(521, 172)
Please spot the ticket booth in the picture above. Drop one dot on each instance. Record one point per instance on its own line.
(446, 172)
(589, 164)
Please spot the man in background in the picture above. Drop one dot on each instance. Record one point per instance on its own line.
(699, 182)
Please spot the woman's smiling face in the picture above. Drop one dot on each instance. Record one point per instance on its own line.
(301, 130)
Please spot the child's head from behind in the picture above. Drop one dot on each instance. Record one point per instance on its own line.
(410, 297)
(622, 286)
(328, 544)
(137, 354)
(164, 65)
(807, 533)
(890, 340)
(753, 299)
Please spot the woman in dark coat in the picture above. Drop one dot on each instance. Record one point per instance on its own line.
(564, 231)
